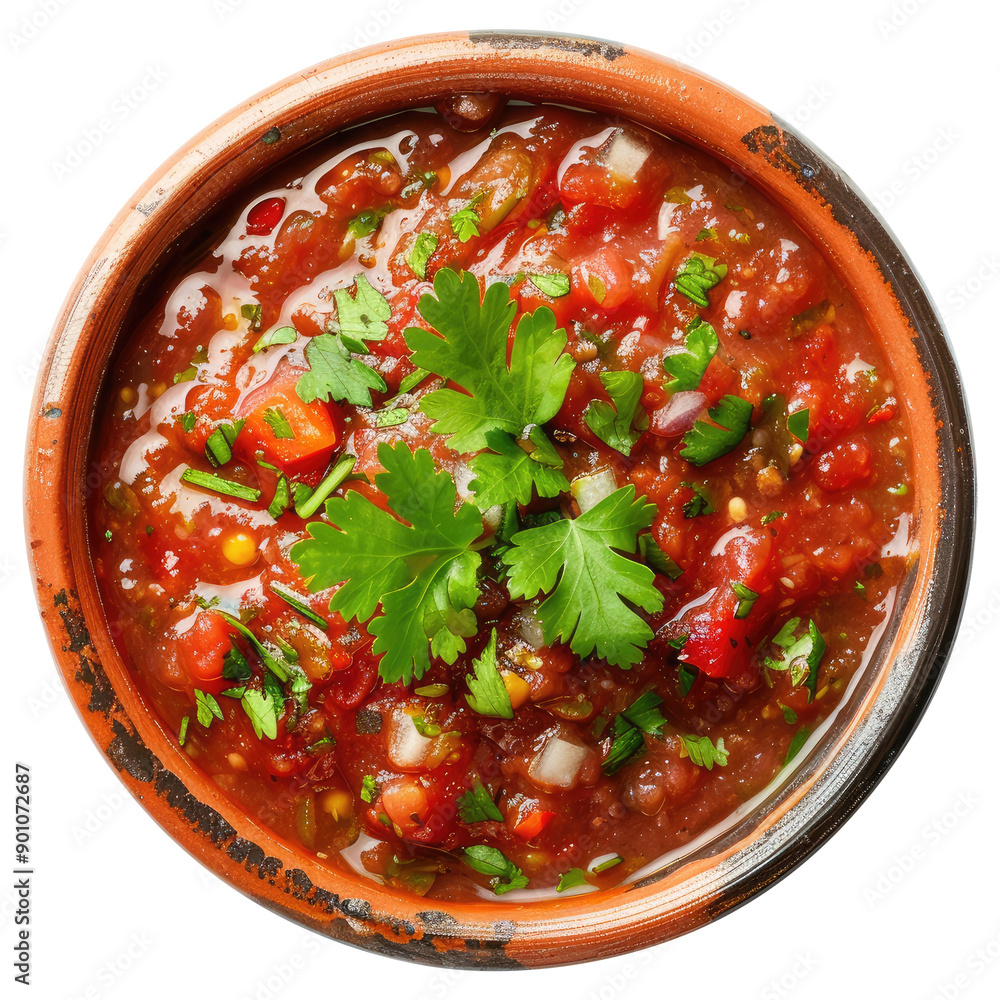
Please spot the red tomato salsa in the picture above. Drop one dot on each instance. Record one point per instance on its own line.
(503, 499)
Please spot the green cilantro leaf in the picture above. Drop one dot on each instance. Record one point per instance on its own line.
(800, 656)
(465, 222)
(798, 742)
(487, 692)
(621, 422)
(369, 789)
(657, 559)
(697, 275)
(577, 562)
(773, 516)
(278, 423)
(281, 499)
(571, 879)
(687, 367)
(511, 472)
(365, 223)
(703, 753)
(642, 716)
(555, 286)
(471, 348)
(504, 874)
(362, 316)
(335, 375)
(477, 805)
(208, 708)
(234, 664)
(747, 598)
(391, 416)
(279, 335)
(262, 711)
(415, 561)
(790, 715)
(686, 676)
(297, 604)
(188, 375)
(707, 234)
(187, 421)
(411, 381)
(251, 311)
(700, 503)
(798, 424)
(420, 254)
(706, 441)
(182, 732)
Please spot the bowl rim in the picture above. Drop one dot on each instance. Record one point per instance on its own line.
(825, 788)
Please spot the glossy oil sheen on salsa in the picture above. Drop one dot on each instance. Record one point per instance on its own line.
(557, 688)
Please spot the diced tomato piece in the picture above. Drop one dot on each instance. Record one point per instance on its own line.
(406, 803)
(316, 429)
(264, 216)
(533, 824)
(718, 379)
(884, 412)
(843, 465)
(202, 649)
(717, 639)
(607, 275)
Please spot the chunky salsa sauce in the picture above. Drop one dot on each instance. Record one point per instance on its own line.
(501, 501)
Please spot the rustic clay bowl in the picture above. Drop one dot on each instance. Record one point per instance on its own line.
(838, 771)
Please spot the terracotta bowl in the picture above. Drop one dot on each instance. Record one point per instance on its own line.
(835, 775)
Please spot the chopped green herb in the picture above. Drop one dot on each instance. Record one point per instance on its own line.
(234, 664)
(365, 223)
(369, 789)
(700, 503)
(362, 316)
(465, 222)
(606, 865)
(707, 234)
(697, 275)
(210, 481)
(263, 711)
(578, 563)
(504, 874)
(470, 347)
(187, 421)
(642, 716)
(686, 676)
(487, 692)
(621, 422)
(899, 491)
(859, 589)
(802, 656)
(798, 424)
(293, 601)
(555, 286)
(282, 498)
(706, 441)
(208, 708)
(420, 254)
(274, 337)
(279, 424)
(703, 753)
(657, 559)
(571, 879)
(747, 598)
(411, 381)
(791, 717)
(421, 570)
(324, 743)
(513, 469)
(188, 375)
(250, 311)
(773, 516)
(182, 732)
(108, 535)
(307, 504)
(477, 806)
(219, 446)
(686, 368)
(391, 417)
(432, 690)
(798, 742)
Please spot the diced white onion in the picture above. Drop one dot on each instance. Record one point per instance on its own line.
(589, 491)
(463, 476)
(557, 764)
(626, 155)
(408, 750)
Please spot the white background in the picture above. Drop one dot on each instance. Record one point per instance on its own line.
(902, 93)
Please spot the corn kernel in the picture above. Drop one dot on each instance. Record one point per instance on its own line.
(337, 802)
(239, 548)
(738, 509)
(128, 395)
(517, 687)
(229, 321)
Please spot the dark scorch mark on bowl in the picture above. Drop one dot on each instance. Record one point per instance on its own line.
(431, 941)
(580, 46)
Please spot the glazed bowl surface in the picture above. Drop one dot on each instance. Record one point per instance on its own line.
(774, 832)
